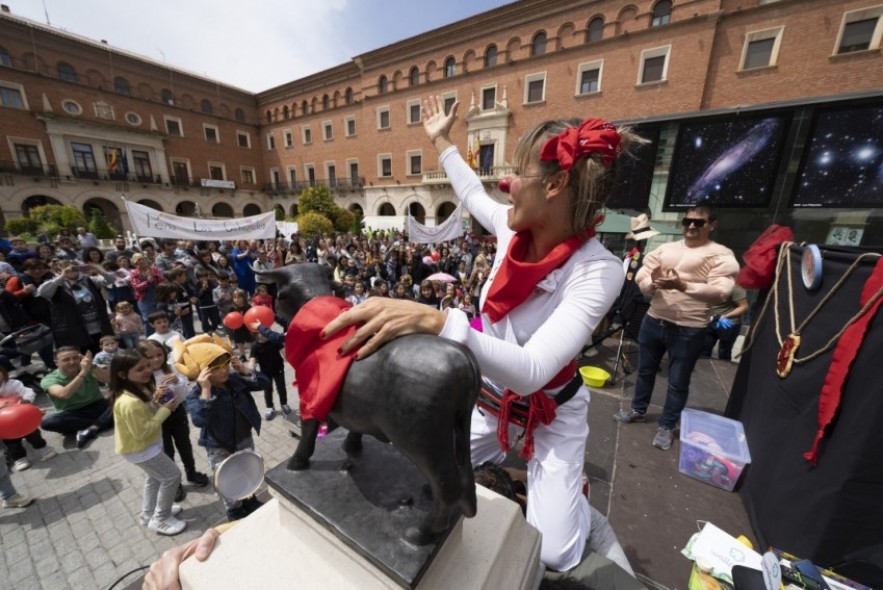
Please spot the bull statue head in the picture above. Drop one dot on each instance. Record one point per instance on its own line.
(298, 283)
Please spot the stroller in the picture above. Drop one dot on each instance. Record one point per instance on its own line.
(21, 344)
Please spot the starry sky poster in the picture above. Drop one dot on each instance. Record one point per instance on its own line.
(732, 162)
(843, 163)
(634, 176)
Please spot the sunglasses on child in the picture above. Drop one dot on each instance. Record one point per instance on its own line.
(688, 221)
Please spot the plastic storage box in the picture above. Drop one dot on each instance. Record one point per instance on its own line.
(713, 448)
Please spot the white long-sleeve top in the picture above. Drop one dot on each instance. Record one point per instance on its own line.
(533, 342)
(15, 388)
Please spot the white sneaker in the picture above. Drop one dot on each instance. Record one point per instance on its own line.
(48, 453)
(17, 501)
(21, 464)
(176, 510)
(170, 526)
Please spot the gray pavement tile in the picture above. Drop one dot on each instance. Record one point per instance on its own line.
(54, 580)
(20, 571)
(82, 578)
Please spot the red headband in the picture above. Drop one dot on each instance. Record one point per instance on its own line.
(593, 136)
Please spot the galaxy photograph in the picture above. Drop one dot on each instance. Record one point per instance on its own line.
(843, 165)
(732, 162)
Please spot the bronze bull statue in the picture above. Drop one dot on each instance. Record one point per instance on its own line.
(416, 392)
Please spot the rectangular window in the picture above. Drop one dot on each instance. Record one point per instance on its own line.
(488, 98)
(247, 175)
(589, 77)
(413, 112)
(327, 132)
(311, 174)
(143, 169)
(534, 88)
(12, 96)
(449, 100)
(292, 177)
(289, 139)
(211, 133)
(243, 139)
(654, 65)
(415, 163)
(331, 172)
(307, 135)
(860, 30)
(350, 126)
(84, 160)
(180, 172)
(174, 127)
(271, 142)
(385, 165)
(28, 157)
(761, 48)
(383, 118)
(354, 173)
(216, 171)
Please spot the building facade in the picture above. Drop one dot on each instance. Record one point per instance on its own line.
(758, 81)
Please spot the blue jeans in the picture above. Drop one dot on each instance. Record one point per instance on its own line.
(684, 346)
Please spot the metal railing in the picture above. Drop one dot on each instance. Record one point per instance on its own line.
(11, 167)
(354, 183)
(491, 174)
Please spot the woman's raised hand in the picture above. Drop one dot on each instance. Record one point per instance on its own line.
(436, 122)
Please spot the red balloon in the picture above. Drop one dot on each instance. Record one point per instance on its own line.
(19, 420)
(233, 320)
(259, 313)
(435, 256)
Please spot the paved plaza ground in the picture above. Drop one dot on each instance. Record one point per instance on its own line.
(83, 532)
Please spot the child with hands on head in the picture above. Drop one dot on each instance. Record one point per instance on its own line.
(139, 411)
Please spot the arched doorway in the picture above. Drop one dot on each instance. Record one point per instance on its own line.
(151, 204)
(186, 209)
(387, 210)
(222, 210)
(417, 211)
(36, 201)
(294, 210)
(251, 209)
(444, 211)
(110, 211)
(279, 210)
(356, 209)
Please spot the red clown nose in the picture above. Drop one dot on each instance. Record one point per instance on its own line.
(505, 183)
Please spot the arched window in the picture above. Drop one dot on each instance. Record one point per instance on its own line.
(490, 56)
(348, 96)
(661, 13)
(595, 31)
(165, 96)
(4, 58)
(205, 106)
(326, 102)
(285, 113)
(383, 85)
(269, 116)
(121, 86)
(304, 107)
(239, 114)
(414, 76)
(66, 72)
(450, 67)
(538, 45)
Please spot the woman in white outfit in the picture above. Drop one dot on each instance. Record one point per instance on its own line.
(540, 304)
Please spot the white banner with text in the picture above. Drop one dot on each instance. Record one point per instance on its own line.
(151, 223)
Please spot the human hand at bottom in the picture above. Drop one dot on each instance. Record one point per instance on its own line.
(163, 573)
(381, 320)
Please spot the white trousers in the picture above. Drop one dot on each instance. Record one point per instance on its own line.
(556, 505)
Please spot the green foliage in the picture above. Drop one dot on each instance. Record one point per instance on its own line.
(343, 220)
(311, 222)
(51, 218)
(317, 199)
(23, 225)
(356, 226)
(280, 213)
(99, 227)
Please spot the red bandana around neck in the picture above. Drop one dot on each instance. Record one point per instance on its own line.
(515, 279)
(319, 368)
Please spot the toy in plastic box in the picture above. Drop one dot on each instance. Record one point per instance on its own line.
(713, 448)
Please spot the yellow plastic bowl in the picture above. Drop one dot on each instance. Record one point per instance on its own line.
(594, 376)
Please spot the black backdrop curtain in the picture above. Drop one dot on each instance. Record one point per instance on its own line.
(831, 513)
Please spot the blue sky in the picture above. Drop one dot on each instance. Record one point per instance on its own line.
(254, 44)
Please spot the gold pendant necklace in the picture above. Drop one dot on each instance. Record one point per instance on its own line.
(788, 346)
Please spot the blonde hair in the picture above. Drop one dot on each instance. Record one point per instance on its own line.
(591, 182)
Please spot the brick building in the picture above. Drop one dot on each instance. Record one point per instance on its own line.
(757, 80)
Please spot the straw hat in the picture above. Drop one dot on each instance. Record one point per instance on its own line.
(641, 229)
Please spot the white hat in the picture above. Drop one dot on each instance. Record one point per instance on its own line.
(641, 229)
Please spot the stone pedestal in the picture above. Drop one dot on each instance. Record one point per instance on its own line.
(338, 525)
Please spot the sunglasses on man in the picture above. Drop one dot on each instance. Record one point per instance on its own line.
(688, 221)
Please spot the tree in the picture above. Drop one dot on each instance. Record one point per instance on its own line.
(312, 222)
(22, 225)
(99, 227)
(343, 220)
(50, 219)
(317, 199)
